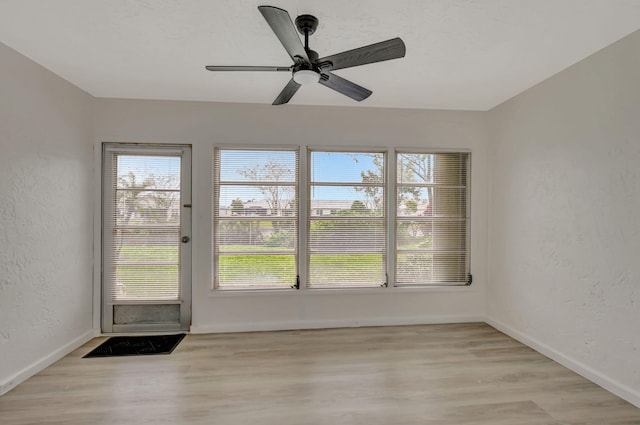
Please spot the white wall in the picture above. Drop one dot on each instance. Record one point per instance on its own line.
(205, 124)
(564, 244)
(46, 211)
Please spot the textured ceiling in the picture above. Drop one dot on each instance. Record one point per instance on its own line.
(461, 54)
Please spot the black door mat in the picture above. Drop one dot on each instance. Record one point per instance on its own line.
(136, 345)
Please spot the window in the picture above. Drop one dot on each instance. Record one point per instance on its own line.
(432, 219)
(370, 218)
(255, 218)
(346, 241)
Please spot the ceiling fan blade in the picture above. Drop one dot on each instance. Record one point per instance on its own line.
(378, 52)
(247, 68)
(343, 86)
(287, 93)
(281, 24)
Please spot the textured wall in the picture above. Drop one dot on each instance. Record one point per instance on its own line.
(205, 124)
(46, 211)
(564, 270)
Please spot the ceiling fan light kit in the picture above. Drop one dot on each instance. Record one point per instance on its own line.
(307, 67)
(306, 76)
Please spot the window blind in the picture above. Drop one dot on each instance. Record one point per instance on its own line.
(432, 218)
(145, 226)
(346, 240)
(255, 218)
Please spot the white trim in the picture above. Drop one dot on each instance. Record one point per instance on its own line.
(391, 203)
(327, 324)
(97, 236)
(46, 361)
(348, 149)
(186, 229)
(237, 146)
(611, 385)
(431, 150)
(304, 206)
(396, 290)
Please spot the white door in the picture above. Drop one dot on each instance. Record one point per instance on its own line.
(146, 231)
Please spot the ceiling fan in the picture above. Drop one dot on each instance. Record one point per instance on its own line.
(307, 66)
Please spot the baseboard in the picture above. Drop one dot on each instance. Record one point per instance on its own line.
(578, 367)
(26, 373)
(327, 324)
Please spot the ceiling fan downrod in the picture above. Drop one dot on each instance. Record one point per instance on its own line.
(307, 25)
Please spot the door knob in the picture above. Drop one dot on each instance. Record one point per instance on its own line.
(185, 239)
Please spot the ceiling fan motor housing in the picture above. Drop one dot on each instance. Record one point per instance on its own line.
(307, 72)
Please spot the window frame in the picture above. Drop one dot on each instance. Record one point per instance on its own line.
(310, 216)
(295, 219)
(467, 217)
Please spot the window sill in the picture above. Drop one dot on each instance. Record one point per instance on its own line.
(223, 293)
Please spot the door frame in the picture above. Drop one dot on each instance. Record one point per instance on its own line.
(185, 256)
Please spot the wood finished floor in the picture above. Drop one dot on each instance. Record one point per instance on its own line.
(454, 374)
